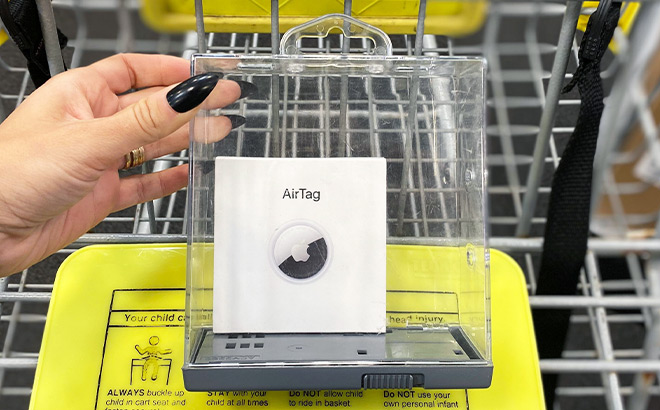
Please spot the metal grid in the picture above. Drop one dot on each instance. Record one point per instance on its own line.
(528, 46)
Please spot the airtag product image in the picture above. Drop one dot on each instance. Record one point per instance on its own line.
(300, 251)
(299, 245)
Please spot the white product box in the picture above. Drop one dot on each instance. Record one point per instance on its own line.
(299, 245)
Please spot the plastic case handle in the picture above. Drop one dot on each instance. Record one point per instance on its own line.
(321, 27)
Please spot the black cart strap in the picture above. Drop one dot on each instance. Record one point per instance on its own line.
(21, 21)
(567, 227)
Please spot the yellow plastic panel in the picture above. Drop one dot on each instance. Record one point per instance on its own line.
(114, 340)
(626, 21)
(413, 270)
(453, 18)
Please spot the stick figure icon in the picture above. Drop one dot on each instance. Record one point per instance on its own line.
(152, 355)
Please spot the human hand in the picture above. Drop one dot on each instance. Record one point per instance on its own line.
(64, 145)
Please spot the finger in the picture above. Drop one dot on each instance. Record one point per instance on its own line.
(125, 71)
(225, 93)
(159, 115)
(131, 98)
(146, 187)
(222, 96)
(174, 142)
(179, 140)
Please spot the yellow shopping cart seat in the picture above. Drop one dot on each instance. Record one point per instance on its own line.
(115, 330)
(453, 18)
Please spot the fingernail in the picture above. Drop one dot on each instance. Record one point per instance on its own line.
(236, 120)
(248, 89)
(190, 93)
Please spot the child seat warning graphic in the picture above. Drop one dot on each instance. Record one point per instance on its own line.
(143, 355)
(151, 360)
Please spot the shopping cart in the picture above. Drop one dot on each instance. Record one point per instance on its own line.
(613, 353)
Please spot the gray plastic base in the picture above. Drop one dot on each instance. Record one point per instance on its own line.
(334, 377)
(401, 358)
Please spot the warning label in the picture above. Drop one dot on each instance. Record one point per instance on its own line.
(143, 355)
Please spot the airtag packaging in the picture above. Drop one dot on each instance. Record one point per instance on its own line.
(299, 245)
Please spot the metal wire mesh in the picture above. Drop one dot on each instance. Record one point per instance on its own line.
(612, 353)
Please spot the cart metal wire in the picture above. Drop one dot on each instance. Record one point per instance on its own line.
(612, 359)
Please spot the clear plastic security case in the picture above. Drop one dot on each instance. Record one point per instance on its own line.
(425, 116)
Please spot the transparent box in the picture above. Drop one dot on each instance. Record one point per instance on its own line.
(424, 115)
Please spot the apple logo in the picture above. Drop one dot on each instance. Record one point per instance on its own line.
(300, 250)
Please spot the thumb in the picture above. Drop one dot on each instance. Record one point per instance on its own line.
(157, 115)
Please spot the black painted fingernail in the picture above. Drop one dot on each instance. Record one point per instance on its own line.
(248, 89)
(236, 120)
(190, 93)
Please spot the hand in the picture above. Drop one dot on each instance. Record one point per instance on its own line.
(64, 145)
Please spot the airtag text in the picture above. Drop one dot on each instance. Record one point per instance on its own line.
(301, 193)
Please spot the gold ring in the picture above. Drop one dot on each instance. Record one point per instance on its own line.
(134, 158)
